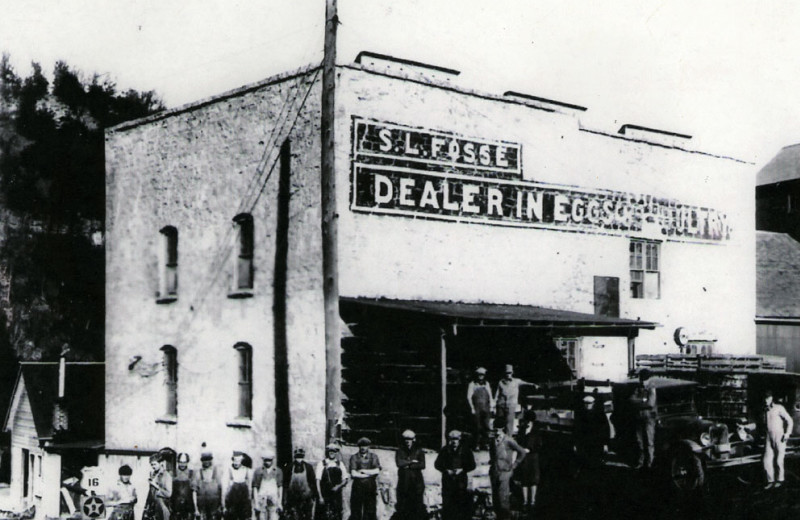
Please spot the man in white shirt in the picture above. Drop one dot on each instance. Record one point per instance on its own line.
(779, 425)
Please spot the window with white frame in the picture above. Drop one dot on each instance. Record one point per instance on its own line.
(243, 270)
(570, 351)
(645, 269)
(168, 276)
(245, 354)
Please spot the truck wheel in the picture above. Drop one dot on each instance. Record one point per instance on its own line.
(686, 470)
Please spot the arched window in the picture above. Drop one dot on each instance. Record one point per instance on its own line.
(168, 278)
(170, 364)
(245, 353)
(243, 275)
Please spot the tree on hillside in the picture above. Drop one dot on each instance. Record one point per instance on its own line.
(52, 200)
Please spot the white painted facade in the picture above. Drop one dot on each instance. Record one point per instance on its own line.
(198, 166)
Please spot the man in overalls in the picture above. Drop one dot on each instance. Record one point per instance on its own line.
(237, 489)
(481, 402)
(183, 499)
(332, 477)
(299, 487)
(209, 488)
(267, 489)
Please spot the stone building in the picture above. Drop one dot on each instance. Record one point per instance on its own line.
(474, 229)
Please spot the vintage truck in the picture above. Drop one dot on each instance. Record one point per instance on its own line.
(696, 437)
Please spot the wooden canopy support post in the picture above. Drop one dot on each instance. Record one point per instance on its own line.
(443, 373)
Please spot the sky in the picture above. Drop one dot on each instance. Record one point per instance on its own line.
(725, 72)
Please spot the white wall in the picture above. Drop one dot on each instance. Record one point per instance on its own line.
(705, 286)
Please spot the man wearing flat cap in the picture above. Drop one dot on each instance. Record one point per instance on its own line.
(454, 461)
(332, 477)
(299, 487)
(410, 460)
(504, 455)
(364, 470)
(267, 488)
(481, 403)
(592, 433)
(507, 398)
(209, 488)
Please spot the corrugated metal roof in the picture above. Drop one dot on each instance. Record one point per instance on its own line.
(777, 275)
(783, 167)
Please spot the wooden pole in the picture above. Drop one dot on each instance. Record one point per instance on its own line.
(444, 385)
(330, 284)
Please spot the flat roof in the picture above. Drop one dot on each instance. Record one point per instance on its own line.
(492, 314)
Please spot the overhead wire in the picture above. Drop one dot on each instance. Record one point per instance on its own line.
(266, 166)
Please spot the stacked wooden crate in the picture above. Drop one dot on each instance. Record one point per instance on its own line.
(711, 362)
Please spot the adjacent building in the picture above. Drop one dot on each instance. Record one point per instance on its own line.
(474, 229)
(778, 193)
(778, 310)
(56, 423)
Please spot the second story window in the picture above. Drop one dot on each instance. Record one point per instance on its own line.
(243, 270)
(245, 354)
(645, 269)
(168, 276)
(170, 364)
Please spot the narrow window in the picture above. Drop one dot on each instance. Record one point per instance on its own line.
(168, 287)
(171, 378)
(568, 347)
(245, 353)
(243, 276)
(645, 269)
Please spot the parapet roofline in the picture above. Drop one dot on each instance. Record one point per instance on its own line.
(385, 57)
(634, 130)
(537, 101)
(510, 97)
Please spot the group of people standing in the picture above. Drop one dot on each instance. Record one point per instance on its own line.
(295, 491)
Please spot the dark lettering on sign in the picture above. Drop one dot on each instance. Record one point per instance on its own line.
(384, 189)
(400, 170)
(376, 142)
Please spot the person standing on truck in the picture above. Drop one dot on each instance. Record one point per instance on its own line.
(592, 433)
(647, 410)
(779, 425)
(507, 398)
(481, 402)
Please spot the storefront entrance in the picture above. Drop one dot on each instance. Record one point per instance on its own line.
(407, 364)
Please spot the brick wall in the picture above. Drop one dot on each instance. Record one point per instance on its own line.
(196, 168)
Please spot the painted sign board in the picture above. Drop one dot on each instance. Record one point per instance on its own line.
(389, 179)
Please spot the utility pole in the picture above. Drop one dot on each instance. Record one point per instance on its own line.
(330, 284)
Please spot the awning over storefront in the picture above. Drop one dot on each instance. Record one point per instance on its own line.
(498, 315)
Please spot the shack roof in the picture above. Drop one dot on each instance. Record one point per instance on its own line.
(783, 167)
(84, 399)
